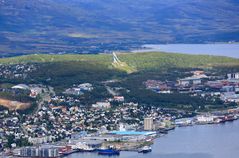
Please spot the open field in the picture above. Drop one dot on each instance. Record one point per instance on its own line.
(14, 105)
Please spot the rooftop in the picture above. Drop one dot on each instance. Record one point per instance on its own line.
(132, 132)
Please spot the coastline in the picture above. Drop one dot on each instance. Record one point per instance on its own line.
(211, 49)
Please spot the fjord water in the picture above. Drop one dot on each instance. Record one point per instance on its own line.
(202, 141)
(230, 50)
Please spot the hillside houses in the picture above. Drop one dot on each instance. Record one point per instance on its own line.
(199, 84)
(196, 79)
(34, 89)
(18, 71)
(159, 86)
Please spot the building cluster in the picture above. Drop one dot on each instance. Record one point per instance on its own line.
(209, 118)
(79, 89)
(128, 140)
(37, 152)
(60, 117)
(225, 88)
(19, 71)
(159, 86)
(53, 122)
(34, 89)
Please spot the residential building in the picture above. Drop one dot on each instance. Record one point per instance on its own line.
(101, 105)
(148, 124)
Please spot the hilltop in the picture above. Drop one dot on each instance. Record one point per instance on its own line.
(134, 61)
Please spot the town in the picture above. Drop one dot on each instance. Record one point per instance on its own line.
(59, 124)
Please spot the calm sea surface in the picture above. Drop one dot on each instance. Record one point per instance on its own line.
(230, 50)
(203, 141)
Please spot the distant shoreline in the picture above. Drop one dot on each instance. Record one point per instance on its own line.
(215, 49)
(212, 49)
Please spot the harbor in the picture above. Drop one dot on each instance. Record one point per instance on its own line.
(114, 143)
(207, 141)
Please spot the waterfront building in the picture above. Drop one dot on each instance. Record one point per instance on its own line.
(233, 76)
(184, 121)
(204, 119)
(39, 152)
(132, 133)
(148, 124)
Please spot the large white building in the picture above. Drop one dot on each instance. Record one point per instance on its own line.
(148, 124)
(204, 119)
(101, 105)
(190, 81)
(21, 86)
(40, 140)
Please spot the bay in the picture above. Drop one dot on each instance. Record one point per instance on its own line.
(229, 50)
(201, 141)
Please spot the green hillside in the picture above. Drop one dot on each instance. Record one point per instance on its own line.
(134, 61)
(62, 71)
(156, 60)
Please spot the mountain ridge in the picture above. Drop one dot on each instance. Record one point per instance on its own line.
(47, 26)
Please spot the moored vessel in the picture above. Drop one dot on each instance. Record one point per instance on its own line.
(109, 151)
(145, 149)
(83, 147)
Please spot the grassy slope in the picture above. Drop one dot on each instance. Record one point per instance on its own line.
(137, 61)
(156, 60)
(38, 58)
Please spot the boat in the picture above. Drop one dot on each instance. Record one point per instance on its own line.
(227, 118)
(222, 119)
(86, 149)
(81, 147)
(230, 118)
(108, 152)
(67, 150)
(145, 149)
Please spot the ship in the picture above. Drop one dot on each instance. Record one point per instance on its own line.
(82, 147)
(230, 118)
(67, 150)
(108, 152)
(145, 149)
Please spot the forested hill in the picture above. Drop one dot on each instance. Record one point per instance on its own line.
(138, 61)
